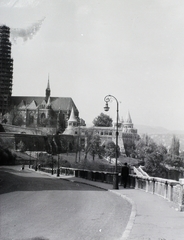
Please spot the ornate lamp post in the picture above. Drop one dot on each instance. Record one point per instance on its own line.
(30, 159)
(58, 170)
(79, 142)
(107, 99)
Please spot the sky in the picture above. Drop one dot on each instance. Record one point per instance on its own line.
(131, 49)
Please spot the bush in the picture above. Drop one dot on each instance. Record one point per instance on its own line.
(6, 157)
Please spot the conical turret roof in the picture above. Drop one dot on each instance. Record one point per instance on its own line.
(72, 117)
(128, 118)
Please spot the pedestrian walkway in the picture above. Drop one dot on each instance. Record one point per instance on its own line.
(152, 217)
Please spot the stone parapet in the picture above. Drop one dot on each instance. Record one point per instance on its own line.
(169, 189)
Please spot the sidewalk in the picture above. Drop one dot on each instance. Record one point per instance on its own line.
(152, 217)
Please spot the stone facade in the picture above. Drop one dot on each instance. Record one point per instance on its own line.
(40, 112)
(125, 129)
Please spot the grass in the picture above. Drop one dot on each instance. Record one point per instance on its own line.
(71, 160)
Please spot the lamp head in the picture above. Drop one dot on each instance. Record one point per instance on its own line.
(106, 108)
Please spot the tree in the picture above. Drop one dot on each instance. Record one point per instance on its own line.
(95, 146)
(21, 146)
(15, 116)
(82, 122)
(61, 123)
(6, 156)
(175, 146)
(174, 161)
(153, 165)
(55, 144)
(144, 146)
(110, 150)
(129, 146)
(102, 120)
(89, 140)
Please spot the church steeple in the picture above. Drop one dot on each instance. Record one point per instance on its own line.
(72, 121)
(47, 90)
(128, 122)
(128, 118)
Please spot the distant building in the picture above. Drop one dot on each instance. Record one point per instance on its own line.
(47, 113)
(6, 69)
(127, 133)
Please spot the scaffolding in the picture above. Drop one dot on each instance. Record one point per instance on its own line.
(6, 69)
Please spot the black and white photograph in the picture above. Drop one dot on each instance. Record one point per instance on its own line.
(91, 120)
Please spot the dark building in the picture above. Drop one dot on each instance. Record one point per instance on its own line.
(46, 113)
(6, 69)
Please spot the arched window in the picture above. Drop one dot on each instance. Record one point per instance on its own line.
(31, 118)
(42, 117)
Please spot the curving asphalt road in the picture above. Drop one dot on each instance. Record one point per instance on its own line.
(33, 207)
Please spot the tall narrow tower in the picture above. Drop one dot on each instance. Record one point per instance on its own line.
(47, 92)
(6, 69)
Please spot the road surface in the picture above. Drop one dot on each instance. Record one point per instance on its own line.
(37, 206)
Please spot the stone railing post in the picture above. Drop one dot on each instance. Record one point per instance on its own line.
(181, 196)
(147, 184)
(166, 190)
(153, 189)
(136, 183)
(170, 192)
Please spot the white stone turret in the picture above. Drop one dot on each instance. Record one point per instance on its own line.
(128, 126)
(72, 121)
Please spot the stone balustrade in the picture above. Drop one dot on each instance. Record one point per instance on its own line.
(170, 190)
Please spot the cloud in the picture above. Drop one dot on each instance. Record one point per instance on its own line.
(26, 34)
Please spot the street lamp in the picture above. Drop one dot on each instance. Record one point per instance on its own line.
(79, 140)
(107, 99)
(58, 170)
(30, 159)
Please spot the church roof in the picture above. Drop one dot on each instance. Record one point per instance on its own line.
(62, 103)
(22, 105)
(32, 105)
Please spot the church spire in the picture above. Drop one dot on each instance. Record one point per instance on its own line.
(47, 90)
(128, 118)
(48, 84)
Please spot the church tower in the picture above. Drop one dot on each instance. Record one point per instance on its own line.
(47, 91)
(128, 125)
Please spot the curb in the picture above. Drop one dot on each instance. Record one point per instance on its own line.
(131, 220)
(84, 183)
